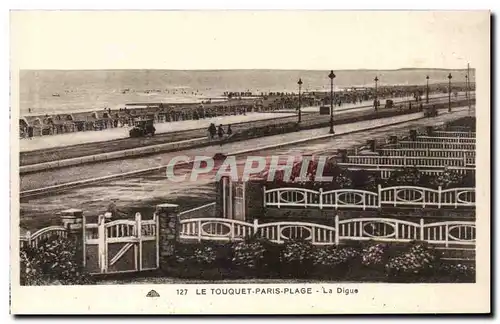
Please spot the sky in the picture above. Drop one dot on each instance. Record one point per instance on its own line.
(315, 40)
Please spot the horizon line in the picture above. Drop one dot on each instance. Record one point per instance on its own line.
(249, 69)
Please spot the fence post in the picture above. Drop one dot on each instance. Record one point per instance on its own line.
(422, 238)
(337, 230)
(28, 238)
(255, 226)
(439, 197)
(102, 244)
(198, 223)
(265, 196)
(168, 232)
(447, 232)
(379, 197)
(320, 198)
(138, 247)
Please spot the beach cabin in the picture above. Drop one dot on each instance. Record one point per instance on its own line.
(23, 127)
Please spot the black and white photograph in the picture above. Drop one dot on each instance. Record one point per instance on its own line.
(252, 155)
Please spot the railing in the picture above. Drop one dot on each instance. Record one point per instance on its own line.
(428, 153)
(453, 134)
(418, 196)
(201, 211)
(45, 233)
(386, 171)
(357, 229)
(460, 140)
(362, 199)
(407, 160)
(436, 145)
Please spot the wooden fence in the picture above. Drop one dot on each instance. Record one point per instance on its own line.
(122, 245)
(434, 145)
(385, 171)
(470, 154)
(449, 233)
(453, 134)
(437, 139)
(361, 199)
(34, 239)
(402, 161)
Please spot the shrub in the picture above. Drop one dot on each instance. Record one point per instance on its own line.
(248, 254)
(296, 251)
(201, 254)
(375, 255)
(55, 260)
(446, 179)
(459, 272)
(333, 256)
(419, 259)
(406, 177)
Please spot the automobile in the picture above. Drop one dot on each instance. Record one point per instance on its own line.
(142, 128)
(430, 111)
(389, 103)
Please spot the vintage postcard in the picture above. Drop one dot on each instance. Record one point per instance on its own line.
(250, 162)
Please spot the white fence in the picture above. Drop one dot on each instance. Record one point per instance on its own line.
(45, 233)
(453, 134)
(470, 154)
(361, 199)
(449, 233)
(401, 161)
(437, 139)
(435, 145)
(385, 171)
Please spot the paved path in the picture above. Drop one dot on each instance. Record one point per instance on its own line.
(61, 140)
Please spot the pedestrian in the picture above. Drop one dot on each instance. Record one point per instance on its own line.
(229, 130)
(220, 131)
(212, 130)
(113, 210)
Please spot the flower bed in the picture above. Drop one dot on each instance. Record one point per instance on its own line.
(363, 262)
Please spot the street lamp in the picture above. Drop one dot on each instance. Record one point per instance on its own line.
(331, 76)
(300, 99)
(376, 93)
(449, 92)
(427, 90)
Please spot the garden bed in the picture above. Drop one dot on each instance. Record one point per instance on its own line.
(415, 262)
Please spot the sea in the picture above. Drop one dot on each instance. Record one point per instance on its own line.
(60, 91)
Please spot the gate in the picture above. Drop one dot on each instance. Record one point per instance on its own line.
(121, 245)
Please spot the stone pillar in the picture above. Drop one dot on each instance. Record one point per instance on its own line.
(371, 145)
(72, 220)
(343, 155)
(169, 232)
(413, 134)
(393, 139)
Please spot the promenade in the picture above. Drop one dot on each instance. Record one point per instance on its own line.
(76, 138)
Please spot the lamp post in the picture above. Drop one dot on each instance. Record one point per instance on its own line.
(449, 92)
(331, 76)
(427, 90)
(376, 92)
(300, 99)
